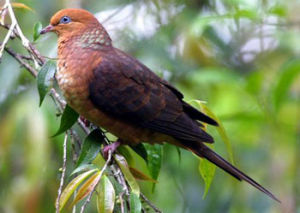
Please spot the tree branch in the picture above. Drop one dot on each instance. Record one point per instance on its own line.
(14, 31)
(150, 204)
(20, 58)
(62, 173)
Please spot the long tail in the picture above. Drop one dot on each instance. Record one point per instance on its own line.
(216, 159)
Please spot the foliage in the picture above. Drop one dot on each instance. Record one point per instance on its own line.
(241, 57)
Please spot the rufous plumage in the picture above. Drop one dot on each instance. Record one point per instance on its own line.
(118, 93)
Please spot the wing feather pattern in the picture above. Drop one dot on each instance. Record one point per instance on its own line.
(128, 90)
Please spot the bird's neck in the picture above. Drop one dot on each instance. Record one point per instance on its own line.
(96, 38)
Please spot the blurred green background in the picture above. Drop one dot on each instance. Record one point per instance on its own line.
(241, 57)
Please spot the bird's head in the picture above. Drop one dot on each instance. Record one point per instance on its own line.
(77, 22)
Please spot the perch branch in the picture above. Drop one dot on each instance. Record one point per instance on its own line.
(14, 28)
(62, 173)
(20, 58)
(34, 56)
(150, 204)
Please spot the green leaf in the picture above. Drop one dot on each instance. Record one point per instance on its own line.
(250, 14)
(123, 150)
(141, 151)
(45, 79)
(220, 128)
(140, 175)
(83, 168)
(117, 186)
(289, 72)
(121, 161)
(106, 196)
(71, 187)
(68, 118)
(87, 188)
(36, 30)
(207, 172)
(135, 203)
(154, 153)
(279, 10)
(91, 147)
(179, 153)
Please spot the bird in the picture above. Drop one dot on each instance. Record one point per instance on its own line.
(117, 92)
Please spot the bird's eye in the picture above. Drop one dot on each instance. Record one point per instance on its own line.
(65, 20)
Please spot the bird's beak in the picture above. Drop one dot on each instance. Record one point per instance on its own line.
(47, 29)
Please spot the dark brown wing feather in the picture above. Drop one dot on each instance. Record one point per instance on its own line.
(128, 90)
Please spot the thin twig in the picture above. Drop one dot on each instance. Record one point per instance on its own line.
(63, 173)
(149, 203)
(119, 177)
(122, 202)
(83, 127)
(10, 31)
(20, 59)
(15, 31)
(100, 176)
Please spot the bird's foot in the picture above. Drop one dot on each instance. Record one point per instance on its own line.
(85, 121)
(111, 147)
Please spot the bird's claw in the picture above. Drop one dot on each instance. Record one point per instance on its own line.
(111, 147)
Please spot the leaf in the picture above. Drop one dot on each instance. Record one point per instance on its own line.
(154, 153)
(279, 10)
(121, 161)
(250, 14)
(45, 79)
(140, 176)
(117, 186)
(289, 71)
(179, 153)
(36, 30)
(87, 187)
(207, 172)
(68, 118)
(206, 168)
(71, 187)
(91, 147)
(135, 203)
(220, 128)
(106, 196)
(141, 151)
(84, 167)
(123, 150)
(21, 6)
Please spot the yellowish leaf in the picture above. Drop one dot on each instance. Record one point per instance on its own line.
(21, 6)
(87, 187)
(140, 175)
(220, 128)
(70, 188)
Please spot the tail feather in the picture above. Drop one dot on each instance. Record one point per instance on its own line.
(216, 159)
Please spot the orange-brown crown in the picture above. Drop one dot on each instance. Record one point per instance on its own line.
(79, 24)
(76, 15)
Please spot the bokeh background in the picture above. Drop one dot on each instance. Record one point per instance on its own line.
(241, 57)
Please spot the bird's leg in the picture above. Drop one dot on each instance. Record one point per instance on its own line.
(85, 121)
(111, 147)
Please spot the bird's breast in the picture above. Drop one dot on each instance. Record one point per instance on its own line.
(74, 74)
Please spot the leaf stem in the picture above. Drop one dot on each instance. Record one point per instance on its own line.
(100, 175)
